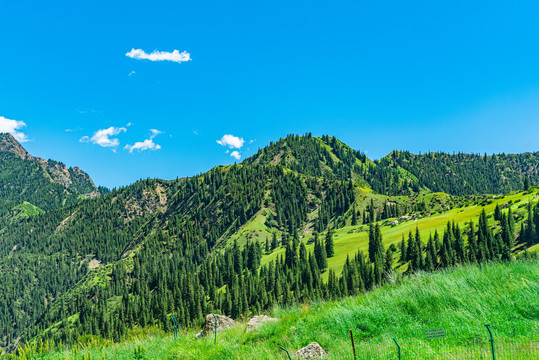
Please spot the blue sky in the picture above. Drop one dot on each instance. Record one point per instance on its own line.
(418, 76)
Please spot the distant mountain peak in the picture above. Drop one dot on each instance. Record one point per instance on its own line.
(8, 143)
(73, 180)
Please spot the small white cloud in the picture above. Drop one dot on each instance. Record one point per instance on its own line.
(131, 73)
(147, 144)
(103, 137)
(155, 132)
(226, 152)
(233, 142)
(174, 56)
(236, 155)
(252, 141)
(11, 126)
(195, 132)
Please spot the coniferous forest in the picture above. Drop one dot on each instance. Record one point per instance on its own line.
(80, 260)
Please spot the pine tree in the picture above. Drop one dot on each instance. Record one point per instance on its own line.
(330, 248)
(354, 215)
(320, 254)
(376, 248)
(404, 254)
(274, 242)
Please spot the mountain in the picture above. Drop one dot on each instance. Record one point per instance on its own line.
(236, 240)
(329, 158)
(47, 184)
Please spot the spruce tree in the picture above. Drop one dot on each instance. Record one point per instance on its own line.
(320, 254)
(404, 256)
(330, 248)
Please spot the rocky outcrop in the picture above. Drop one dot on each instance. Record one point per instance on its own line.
(71, 178)
(223, 323)
(311, 351)
(258, 321)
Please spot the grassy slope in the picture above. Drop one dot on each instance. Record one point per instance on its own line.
(494, 293)
(350, 239)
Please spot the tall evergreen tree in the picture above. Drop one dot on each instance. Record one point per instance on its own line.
(330, 247)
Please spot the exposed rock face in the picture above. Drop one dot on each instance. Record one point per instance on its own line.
(223, 323)
(9, 144)
(71, 178)
(258, 321)
(311, 351)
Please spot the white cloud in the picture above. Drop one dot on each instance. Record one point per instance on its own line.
(155, 133)
(236, 155)
(174, 56)
(233, 142)
(103, 137)
(131, 73)
(11, 126)
(147, 144)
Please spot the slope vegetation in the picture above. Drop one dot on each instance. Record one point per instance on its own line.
(499, 294)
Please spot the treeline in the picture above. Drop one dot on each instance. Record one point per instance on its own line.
(465, 174)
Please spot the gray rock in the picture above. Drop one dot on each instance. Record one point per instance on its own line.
(311, 351)
(223, 323)
(258, 321)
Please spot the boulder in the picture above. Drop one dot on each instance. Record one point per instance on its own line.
(257, 321)
(311, 351)
(223, 323)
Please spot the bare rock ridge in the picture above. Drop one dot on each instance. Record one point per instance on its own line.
(72, 178)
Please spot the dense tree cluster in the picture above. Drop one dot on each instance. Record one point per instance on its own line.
(463, 174)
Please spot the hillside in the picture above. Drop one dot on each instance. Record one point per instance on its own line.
(296, 222)
(502, 295)
(461, 174)
(47, 184)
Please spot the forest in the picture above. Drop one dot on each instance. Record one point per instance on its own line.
(134, 256)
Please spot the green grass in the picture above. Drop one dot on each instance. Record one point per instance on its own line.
(493, 293)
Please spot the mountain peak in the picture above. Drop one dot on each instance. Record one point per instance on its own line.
(8, 143)
(13, 154)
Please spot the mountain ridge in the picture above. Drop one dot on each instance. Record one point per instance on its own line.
(24, 177)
